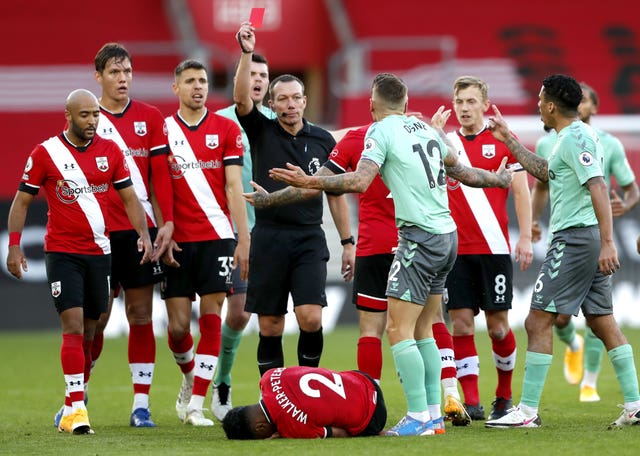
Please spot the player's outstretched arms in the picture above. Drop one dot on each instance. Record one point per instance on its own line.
(476, 177)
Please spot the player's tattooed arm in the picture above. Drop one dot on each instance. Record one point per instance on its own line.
(354, 182)
(535, 165)
(476, 177)
(261, 199)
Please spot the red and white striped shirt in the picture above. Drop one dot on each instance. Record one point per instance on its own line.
(140, 133)
(76, 181)
(198, 158)
(480, 213)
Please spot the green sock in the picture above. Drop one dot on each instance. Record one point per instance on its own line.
(536, 366)
(566, 334)
(228, 347)
(593, 351)
(410, 370)
(432, 368)
(625, 368)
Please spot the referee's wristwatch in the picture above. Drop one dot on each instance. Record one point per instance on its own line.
(349, 240)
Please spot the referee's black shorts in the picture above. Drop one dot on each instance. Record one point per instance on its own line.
(283, 260)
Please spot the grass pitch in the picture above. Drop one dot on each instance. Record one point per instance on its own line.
(32, 391)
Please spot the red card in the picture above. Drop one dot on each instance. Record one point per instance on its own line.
(257, 14)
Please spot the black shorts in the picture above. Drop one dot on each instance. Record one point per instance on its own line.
(370, 282)
(379, 418)
(79, 281)
(480, 282)
(205, 268)
(286, 260)
(126, 270)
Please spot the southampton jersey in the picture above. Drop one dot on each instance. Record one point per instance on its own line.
(576, 158)
(480, 213)
(199, 155)
(247, 168)
(76, 181)
(377, 232)
(140, 133)
(410, 156)
(302, 402)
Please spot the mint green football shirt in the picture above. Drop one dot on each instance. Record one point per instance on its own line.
(576, 157)
(410, 156)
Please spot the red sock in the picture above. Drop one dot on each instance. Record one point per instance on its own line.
(370, 356)
(87, 346)
(180, 347)
(468, 367)
(504, 355)
(142, 351)
(96, 347)
(444, 341)
(210, 335)
(207, 353)
(72, 359)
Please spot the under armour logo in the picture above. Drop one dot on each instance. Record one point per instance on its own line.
(157, 269)
(506, 363)
(77, 383)
(106, 131)
(144, 374)
(68, 166)
(500, 298)
(209, 367)
(178, 142)
(462, 366)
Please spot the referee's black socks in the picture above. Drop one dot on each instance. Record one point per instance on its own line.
(310, 346)
(270, 353)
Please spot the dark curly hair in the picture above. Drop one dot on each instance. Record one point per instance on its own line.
(236, 424)
(564, 92)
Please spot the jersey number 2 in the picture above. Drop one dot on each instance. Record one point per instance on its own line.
(335, 386)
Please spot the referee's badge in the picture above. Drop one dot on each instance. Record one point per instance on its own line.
(140, 128)
(56, 289)
(488, 150)
(211, 141)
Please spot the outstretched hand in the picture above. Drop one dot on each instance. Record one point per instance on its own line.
(259, 198)
(293, 175)
(504, 174)
(497, 125)
(440, 117)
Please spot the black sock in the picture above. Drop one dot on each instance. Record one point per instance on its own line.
(270, 353)
(310, 348)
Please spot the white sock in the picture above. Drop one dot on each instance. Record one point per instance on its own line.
(450, 387)
(529, 412)
(590, 379)
(140, 400)
(420, 416)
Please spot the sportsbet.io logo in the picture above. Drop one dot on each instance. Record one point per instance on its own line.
(68, 191)
(178, 165)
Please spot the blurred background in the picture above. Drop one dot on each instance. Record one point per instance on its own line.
(336, 47)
